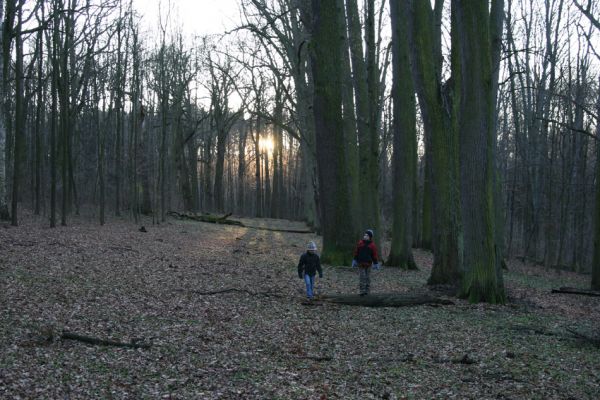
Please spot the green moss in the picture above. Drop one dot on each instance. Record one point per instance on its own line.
(336, 257)
(406, 263)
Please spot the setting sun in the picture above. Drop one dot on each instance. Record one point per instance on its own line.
(266, 144)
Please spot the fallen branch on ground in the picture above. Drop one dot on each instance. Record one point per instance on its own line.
(102, 342)
(233, 290)
(317, 358)
(386, 300)
(215, 219)
(569, 290)
(262, 228)
(589, 339)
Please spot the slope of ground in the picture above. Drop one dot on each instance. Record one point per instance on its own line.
(258, 340)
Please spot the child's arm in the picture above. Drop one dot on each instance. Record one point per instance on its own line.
(375, 255)
(301, 266)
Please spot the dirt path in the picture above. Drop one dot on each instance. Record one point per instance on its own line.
(115, 282)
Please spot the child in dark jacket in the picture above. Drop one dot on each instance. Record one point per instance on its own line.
(308, 266)
(365, 256)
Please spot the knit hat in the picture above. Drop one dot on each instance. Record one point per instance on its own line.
(370, 233)
(311, 246)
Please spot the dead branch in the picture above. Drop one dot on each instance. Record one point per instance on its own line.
(589, 339)
(386, 300)
(102, 342)
(279, 230)
(213, 219)
(569, 290)
(233, 290)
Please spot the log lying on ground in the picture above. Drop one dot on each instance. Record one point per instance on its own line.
(232, 290)
(215, 219)
(102, 342)
(584, 292)
(263, 228)
(386, 300)
(585, 338)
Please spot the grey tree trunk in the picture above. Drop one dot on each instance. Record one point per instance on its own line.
(481, 280)
(438, 108)
(338, 237)
(596, 234)
(19, 135)
(5, 43)
(405, 140)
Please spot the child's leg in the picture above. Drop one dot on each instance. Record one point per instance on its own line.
(309, 280)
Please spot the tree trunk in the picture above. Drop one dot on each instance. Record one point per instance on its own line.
(39, 150)
(405, 141)
(438, 109)
(241, 175)
(19, 135)
(259, 198)
(7, 11)
(338, 237)
(54, 113)
(480, 280)
(596, 260)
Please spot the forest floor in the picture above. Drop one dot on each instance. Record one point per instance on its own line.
(259, 340)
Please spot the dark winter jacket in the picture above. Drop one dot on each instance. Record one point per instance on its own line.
(309, 264)
(365, 253)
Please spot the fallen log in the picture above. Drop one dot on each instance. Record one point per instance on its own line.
(102, 342)
(584, 292)
(212, 219)
(585, 338)
(215, 219)
(233, 290)
(386, 300)
(263, 228)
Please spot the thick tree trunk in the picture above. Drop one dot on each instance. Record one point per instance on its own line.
(220, 162)
(480, 279)
(6, 21)
(405, 140)
(257, 174)
(54, 113)
(241, 174)
(438, 109)
(367, 190)
(596, 260)
(19, 135)
(338, 237)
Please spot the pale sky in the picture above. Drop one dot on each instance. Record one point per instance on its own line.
(201, 17)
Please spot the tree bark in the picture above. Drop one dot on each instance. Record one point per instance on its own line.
(438, 110)
(19, 134)
(405, 140)
(481, 279)
(338, 237)
(596, 259)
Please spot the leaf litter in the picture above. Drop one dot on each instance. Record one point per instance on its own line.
(222, 310)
